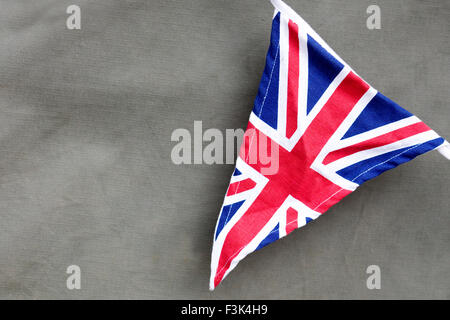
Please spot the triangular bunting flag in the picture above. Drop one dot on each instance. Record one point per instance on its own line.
(317, 131)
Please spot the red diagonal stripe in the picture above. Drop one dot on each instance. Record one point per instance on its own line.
(382, 140)
(293, 75)
(240, 186)
(291, 220)
(330, 117)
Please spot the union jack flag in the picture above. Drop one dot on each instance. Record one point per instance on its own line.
(332, 130)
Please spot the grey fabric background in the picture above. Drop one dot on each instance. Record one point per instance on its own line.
(86, 177)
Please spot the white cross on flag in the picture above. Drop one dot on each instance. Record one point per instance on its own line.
(317, 132)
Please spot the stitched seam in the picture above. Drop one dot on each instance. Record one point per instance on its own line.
(328, 198)
(397, 155)
(270, 79)
(230, 258)
(370, 169)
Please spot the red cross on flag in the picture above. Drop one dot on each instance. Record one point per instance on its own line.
(317, 131)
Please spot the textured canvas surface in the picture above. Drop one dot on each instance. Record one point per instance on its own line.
(86, 175)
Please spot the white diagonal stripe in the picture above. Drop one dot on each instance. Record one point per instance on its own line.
(370, 153)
